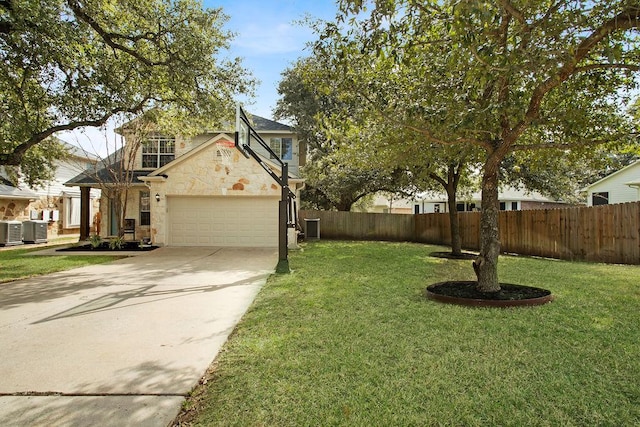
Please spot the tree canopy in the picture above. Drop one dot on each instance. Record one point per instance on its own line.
(335, 178)
(68, 64)
(504, 76)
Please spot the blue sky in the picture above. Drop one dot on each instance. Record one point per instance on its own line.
(268, 40)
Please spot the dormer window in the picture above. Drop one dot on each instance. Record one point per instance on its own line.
(157, 151)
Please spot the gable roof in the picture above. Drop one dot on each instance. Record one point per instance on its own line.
(191, 153)
(606, 178)
(213, 140)
(104, 175)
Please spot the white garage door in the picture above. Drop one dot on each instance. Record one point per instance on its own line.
(223, 221)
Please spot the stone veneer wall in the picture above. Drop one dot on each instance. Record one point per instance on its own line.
(14, 209)
(20, 209)
(206, 174)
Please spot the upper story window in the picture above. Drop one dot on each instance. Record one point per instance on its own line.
(157, 151)
(283, 147)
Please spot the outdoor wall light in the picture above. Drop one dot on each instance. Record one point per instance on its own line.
(157, 197)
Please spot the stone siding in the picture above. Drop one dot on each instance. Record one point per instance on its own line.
(20, 210)
(209, 173)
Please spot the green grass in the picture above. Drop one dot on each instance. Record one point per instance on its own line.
(19, 263)
(348, 339)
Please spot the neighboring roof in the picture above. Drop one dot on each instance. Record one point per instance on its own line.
(76, 151)
(506, 193)
(92, 178)
(637, 162)
(8, 191)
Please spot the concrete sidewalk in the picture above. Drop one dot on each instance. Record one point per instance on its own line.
(122, 343)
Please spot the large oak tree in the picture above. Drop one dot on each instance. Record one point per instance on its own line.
(504, 76)
(67, 64)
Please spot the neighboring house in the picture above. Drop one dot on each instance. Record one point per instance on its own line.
(54, 202)
(619, 187)
(202, 191)
(386, 203)
(510, 199)
(14, 201)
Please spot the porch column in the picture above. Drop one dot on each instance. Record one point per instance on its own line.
(85, 221)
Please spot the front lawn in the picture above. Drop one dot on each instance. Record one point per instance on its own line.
(349, 339)
(19, 263)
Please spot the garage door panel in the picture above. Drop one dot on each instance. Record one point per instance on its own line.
(219, 221)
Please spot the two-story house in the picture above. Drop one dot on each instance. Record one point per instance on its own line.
(200, 191)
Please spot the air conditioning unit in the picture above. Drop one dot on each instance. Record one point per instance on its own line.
(10, 233)
(34, 231)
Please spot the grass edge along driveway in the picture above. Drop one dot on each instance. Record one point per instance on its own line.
(348, 339)
(16, 264)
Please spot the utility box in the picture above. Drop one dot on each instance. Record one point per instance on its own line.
(312, 228)
(34, 231)
(10, 233)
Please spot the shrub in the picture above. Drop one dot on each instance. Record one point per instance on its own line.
(116, 243)
(95, 241)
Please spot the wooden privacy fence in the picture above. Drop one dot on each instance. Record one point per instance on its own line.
(362, 226)
(608, 233)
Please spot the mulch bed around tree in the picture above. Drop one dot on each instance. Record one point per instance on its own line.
(450, 255)
(465, 293)
(104, 247)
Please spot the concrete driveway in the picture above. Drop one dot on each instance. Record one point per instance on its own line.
(121, 344)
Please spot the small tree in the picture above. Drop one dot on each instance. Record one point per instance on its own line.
(115, 173)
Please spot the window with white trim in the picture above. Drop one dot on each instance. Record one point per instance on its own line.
(72, 212)
(283, 147)
(157, 151)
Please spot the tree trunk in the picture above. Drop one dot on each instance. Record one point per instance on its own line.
(119, 208)
(486, 265)
(343, 206)
(451, 187)
(456, 242)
